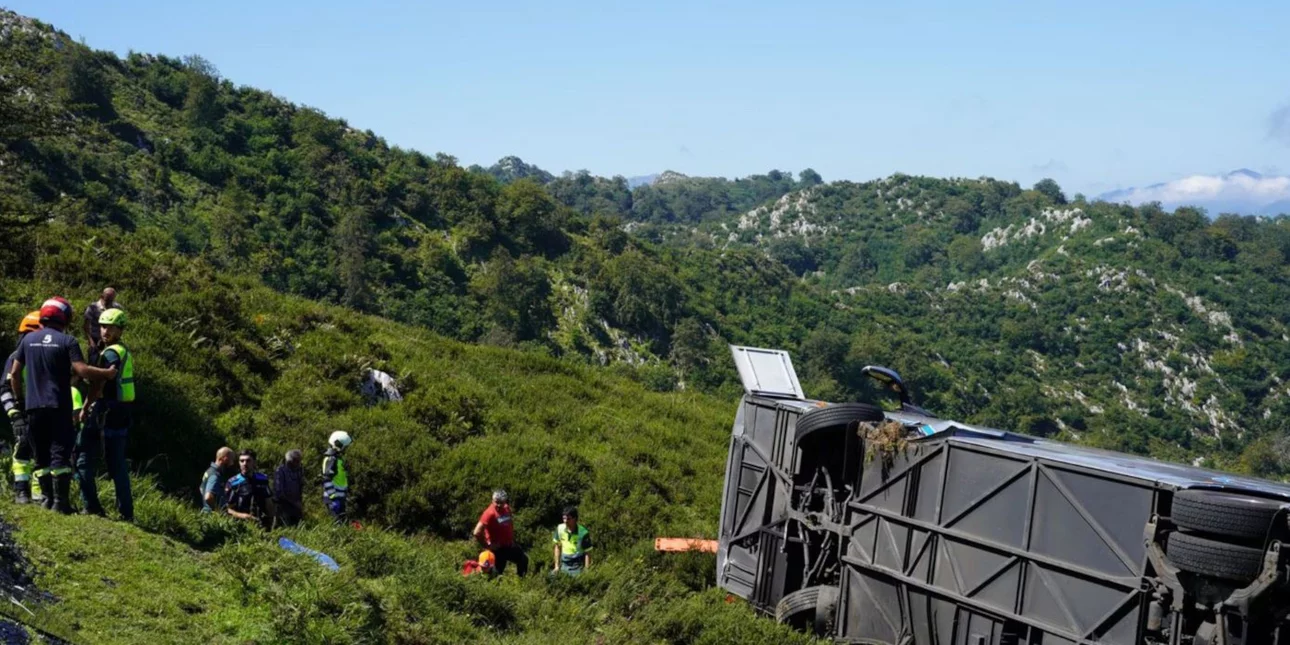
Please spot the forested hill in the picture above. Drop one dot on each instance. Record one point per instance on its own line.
(1124, 327)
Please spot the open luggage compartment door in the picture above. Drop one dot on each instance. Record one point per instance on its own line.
(767, 372)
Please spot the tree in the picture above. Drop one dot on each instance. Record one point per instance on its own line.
(644, 296)
(824, 353)
(25, 118)
(201, 104)
(82, 84)
(514, 295)
(353, 238)
(794, 254)
(962, 214)
(231, 225)
(966, 254)
(921, 246)
(689, 345)
(1051, 190)
(531, 219)
(808, 178)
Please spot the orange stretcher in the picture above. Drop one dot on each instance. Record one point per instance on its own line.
(685, 544)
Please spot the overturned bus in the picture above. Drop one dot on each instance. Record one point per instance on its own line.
(872, 525)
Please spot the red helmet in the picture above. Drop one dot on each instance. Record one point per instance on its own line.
(56, 310)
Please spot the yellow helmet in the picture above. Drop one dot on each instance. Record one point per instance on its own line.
(30, 322)
(113, 318)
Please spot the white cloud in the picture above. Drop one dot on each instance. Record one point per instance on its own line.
(1240, 191)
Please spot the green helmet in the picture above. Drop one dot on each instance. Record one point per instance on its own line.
(113, 318)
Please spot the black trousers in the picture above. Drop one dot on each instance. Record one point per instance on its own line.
(22, 448)
(53, 438)
(514, 554)
(288, 515)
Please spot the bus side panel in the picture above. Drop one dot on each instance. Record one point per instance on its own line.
(750, 558)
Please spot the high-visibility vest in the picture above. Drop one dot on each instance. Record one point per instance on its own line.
(124, 377)
(338, 486)
(78, 401)
(570, 543)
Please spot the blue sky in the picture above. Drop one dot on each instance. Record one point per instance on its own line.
(1098, 95)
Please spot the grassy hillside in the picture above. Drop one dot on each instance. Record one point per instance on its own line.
(1125, 327)
(227, 361)
(391, 589)
(563, 337)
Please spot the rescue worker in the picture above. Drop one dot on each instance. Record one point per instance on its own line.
(335, 475)
(496, 532)
(571, 541)
(483, 565)
(90, 322)
(50, 357)
(249, 494)
(288, 489)
(25, 489)
(107, 420)
(78, 404)
(215, 480)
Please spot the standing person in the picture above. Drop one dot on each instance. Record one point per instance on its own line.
(335, 475)
(90, 322)
(86, 442)
(288, 487)
(571, 541)
(108, 412)
(216, 479)
(248, 492)
(50, 357)
(25, 490)
(496, 532)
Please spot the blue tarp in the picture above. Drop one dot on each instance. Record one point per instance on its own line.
(322, 558)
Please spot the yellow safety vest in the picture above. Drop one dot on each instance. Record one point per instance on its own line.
(125, 376)
(339, 484)
(570, 543)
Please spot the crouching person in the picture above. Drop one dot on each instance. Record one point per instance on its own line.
(248, 493)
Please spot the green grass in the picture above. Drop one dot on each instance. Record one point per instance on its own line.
(117, 583)
(223, 360)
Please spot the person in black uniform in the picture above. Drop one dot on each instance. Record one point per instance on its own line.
(50, 357)
(249, 495)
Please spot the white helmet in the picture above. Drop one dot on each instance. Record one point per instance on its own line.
(339, 440)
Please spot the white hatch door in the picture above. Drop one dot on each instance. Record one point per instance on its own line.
(767, 372)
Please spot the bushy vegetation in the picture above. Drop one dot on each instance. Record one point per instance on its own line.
(224, 360)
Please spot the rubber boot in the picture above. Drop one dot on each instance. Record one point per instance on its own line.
(47, 485)
(22, 491)
(63, 494)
